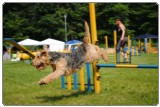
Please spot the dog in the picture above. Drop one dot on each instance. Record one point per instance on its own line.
(65, 63)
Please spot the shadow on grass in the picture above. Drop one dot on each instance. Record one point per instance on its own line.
(61, 97)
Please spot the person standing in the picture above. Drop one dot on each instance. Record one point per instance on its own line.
(123, 39)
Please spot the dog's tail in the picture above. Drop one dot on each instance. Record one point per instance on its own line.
(87, 37)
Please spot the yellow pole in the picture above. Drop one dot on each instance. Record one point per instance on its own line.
(94, 40)
(69, 83)
(106, 39)
(136, 50)
(150, 41)
(139, 43)
(82, 79)
(93, 22)
(133, 50)
(96, 78)
(115, 44)
(129, 44)
(150, 46)
(121, 57)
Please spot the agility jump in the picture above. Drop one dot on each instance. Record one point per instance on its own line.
(82, 84)
(94, 41)
(96, 66)
(79, 84)
(126, 66)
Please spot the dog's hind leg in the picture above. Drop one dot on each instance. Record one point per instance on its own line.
(103, 54)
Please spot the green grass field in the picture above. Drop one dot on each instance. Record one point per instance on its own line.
(119, 86)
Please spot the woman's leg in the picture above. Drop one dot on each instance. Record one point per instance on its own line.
(123, 45)
(119, 45)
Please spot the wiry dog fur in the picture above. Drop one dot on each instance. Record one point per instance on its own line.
(66, 64)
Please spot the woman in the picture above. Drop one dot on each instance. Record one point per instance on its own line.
(123, 40)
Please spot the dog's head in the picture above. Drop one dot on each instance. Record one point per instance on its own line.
(41, 60)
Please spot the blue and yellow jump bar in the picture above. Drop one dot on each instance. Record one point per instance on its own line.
(127, 66)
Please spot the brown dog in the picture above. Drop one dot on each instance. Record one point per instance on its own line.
(66, 64)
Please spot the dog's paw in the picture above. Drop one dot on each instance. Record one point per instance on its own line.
(106, 59)
(41, 82)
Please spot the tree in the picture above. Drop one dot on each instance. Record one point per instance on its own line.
(46, 20)
(144, 18)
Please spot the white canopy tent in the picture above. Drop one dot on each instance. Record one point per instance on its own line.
(54, 45)
(28, 42)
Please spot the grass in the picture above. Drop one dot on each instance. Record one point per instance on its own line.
(119, 86)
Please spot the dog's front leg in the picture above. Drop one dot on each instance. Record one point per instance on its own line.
(52, 76)
(60, 68)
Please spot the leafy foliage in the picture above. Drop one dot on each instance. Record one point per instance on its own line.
(46, 20)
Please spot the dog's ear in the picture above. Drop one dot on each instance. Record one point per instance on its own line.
(44, 53)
